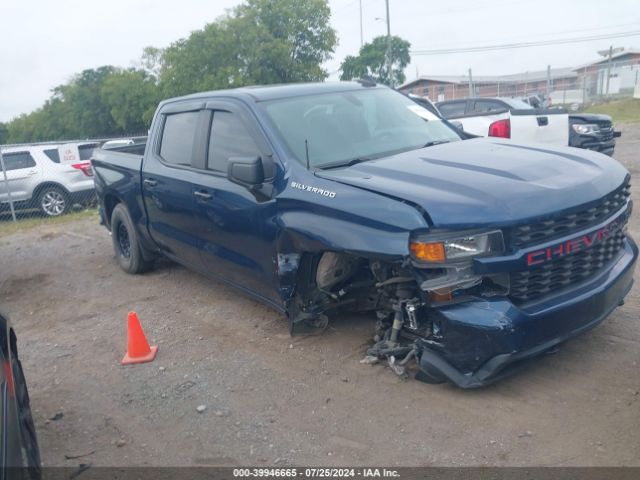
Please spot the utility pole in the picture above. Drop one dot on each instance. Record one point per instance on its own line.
(361, 36)
(389, 63)
(470, 84)
(609, 68)
(548, 92)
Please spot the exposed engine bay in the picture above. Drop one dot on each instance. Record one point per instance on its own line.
(404, 296)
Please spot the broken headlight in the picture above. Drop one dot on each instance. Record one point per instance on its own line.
(446, 260)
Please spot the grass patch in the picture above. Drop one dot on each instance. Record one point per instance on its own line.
(623, 111)
(9, 227)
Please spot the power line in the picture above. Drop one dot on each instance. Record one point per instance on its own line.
(507, 46)
(532, 36)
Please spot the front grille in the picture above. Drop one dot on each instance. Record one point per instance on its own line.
(606, 131)
(545, 230)
(566, 271)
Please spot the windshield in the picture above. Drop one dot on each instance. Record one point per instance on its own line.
(345, 127)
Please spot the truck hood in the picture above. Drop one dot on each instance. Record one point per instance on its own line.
(589, 117)
(487, 182)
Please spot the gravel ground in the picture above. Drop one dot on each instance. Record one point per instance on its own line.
(272, 399)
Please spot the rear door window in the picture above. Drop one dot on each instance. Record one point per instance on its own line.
(178, 134)
(453, 109)
(18, 160)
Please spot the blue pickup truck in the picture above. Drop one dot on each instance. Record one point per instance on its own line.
(474, 255)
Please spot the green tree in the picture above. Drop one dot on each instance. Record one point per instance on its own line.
(372, 61)
(4, 133)
(258, 42)
(88, 115)
(131, 96)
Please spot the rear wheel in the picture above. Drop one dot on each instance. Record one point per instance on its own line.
(30, 450)
(54, 201)
(126, 243)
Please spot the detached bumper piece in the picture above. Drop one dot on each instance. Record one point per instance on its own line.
(482, 342)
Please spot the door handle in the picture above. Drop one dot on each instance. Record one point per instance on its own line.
(150, 182)
(32, 172)
(202, 195)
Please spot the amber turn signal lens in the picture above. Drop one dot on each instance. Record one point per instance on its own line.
(440, 297)
(428, 252)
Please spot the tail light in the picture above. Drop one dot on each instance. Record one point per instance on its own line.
(501, 128)
(85, 167)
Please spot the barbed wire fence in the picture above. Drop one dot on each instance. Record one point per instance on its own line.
(49, 179)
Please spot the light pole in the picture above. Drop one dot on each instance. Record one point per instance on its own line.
(389, 45)
(361, 37)
(388, 54)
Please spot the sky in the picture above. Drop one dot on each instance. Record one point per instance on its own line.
(43, 43)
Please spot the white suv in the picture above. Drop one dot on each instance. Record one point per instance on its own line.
(51, 178)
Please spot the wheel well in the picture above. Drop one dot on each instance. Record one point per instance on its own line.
(38, 190)
(109, 202)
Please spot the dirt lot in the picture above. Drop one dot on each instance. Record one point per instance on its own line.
(272, 399)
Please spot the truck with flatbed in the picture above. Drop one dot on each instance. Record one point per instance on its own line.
(473, 256)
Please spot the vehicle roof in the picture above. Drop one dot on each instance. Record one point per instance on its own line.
(28, 148)
(261, 93)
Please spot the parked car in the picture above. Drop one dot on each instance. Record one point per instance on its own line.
(317, 199)
(19, 444)
(49, 177)
(508, 118)
(593, 131)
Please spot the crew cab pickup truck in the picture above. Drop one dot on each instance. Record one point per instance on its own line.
(509, 118)
(317, 199)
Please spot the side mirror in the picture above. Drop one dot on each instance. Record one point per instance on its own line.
(247, 171)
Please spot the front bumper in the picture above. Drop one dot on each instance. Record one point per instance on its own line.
(590, 142)
(482, 341)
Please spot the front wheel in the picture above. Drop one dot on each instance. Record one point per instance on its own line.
(54, 201)
(29, 441)
(126, 242)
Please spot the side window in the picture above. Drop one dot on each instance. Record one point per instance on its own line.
(229, 138)
(53, 154)
(178, 134)
(452, 110)
(18, 160)
(488, 106)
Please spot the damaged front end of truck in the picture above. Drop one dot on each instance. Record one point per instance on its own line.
(464, 307)
(407, 295)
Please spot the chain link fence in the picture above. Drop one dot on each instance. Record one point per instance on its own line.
(49, 179)
(572, 87)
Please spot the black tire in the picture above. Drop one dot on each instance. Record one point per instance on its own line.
(31, 452)
(126, 242)
(53, 201)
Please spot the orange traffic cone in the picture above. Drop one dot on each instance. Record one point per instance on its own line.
(138, 350)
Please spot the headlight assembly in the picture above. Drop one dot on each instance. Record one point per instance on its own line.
(585, 128)
(435, 249)
(445, 261)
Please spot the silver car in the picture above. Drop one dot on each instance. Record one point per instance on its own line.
(51, 178)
